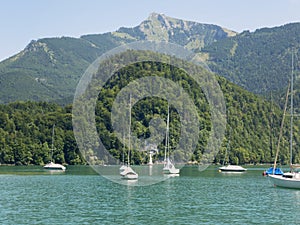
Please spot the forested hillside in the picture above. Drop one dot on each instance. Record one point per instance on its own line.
(26, 134)
(253, 124)
(259, 61)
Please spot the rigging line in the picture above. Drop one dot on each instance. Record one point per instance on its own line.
(281, 127)
(227, 147)
(292, 111)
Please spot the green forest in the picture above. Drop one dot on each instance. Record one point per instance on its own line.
(252, 124)
(26, 134)
(258, 61)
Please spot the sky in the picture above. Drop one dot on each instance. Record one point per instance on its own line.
(22, 21)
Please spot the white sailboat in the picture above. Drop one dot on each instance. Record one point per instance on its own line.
(51, 165)
(230, 168)
(169, 167)
(127, 172)
(290, 179)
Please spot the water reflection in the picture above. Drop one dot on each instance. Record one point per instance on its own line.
(54, 171)
(150, 170)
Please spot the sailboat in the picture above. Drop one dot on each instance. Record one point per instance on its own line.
(275, 170)
(230, 168)
(169, 167)
(292, 178)
(127, 172)
(51, 165)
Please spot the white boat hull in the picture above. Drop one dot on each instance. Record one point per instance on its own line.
(129, 174)
(286, 182)
(171, 171)
(232, 168)
(54, 166)
(130, 177)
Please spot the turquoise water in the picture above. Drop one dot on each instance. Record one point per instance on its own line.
(30, 195)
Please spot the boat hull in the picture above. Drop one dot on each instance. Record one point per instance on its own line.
(171, 171)
(54, 166)
(232, 169)
(129, 174)
(286, 182)
(130, 177)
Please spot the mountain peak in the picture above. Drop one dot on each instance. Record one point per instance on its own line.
(193, 35)
(155, 15)
(159, 27)
(161, 19)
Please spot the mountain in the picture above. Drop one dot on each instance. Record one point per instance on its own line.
(258, 61)
(49, 69)
(191, 35)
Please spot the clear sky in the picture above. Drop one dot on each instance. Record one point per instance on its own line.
(24, 20)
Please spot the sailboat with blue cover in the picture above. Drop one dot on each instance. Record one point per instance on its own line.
(290, 179)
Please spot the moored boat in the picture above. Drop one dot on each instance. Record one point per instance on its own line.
(129, 174)
(126, 172)
(232, 168)
(51, 165)
(169, 167)
(287, 180)
(54, 166)
(292, 178)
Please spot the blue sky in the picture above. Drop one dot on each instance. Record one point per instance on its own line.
(22, 21)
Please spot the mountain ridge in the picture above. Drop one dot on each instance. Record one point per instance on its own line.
(258, 61)
(49, 69)
(53, 66)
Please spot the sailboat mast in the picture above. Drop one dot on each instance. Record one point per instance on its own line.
(168, 129)
(271, 126)
(227, 147)
(129, 133)
(292, 111)
(52, 142)
(123, 150)
(167, 137)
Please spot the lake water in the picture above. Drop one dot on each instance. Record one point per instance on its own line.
(29, 195)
